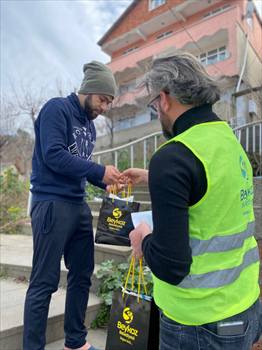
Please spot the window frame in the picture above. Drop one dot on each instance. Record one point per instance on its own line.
(151, 8)
(216, 11)
(208, 54)
(132, 49)
(164, 35)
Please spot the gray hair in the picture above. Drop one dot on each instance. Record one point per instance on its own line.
(184, 76)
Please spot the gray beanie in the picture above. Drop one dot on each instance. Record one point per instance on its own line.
(98, 79)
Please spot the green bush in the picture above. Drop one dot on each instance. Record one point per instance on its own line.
(13, 201)
(10, 185)
(115, 278)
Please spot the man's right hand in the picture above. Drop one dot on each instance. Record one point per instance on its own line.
(135, 176)
(111, 176)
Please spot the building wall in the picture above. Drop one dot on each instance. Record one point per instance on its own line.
(253, 69)
(139, 15)
(180, 38)
(192, 20)
(196, 27)
(230, 20)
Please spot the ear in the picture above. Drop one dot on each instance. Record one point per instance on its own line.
(165, 101)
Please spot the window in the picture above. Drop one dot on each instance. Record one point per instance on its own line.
(216, 11)
(155, 3)
(130, 50)
(213, 56)
(164, 35)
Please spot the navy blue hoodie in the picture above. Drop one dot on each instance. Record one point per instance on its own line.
(64, 144)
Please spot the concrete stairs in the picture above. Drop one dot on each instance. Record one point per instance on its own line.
(12, 307)
(16, 263)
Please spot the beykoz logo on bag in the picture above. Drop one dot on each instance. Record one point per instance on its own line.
(117, 213)
(127, 315)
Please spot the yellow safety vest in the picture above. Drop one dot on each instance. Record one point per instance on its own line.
(223, 278)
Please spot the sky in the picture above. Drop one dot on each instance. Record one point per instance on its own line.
(48, 40)
(43, 41)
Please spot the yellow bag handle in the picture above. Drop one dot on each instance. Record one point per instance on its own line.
(114, 193)
(129, 189)
(132, 264)
(124, 192)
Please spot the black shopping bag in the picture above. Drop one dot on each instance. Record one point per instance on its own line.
(115, 222)
(133, 323)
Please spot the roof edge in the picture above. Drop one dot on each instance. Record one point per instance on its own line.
(117, 23)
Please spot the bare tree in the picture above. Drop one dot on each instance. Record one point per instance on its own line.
(8, 123)
(24, 101)
(111, 123)
(63, 89)
(26, 146)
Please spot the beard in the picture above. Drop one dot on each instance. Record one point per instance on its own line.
(89, 110)
(167, 125)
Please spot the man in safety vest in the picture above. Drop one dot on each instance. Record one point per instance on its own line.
(202, 251)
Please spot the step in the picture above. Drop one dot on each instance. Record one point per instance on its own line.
(140, 196)
(12, 309)
(105, 252)
(96, 337)
(16, 254)
(143, 187)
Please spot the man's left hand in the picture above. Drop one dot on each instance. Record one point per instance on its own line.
(119, 188)
(137, 236)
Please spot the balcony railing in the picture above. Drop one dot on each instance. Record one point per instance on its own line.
(251, 142)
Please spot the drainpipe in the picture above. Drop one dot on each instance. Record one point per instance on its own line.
(244, 65)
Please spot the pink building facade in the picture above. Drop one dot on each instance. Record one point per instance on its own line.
(225, 35)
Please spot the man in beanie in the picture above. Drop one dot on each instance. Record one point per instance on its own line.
(65, 138)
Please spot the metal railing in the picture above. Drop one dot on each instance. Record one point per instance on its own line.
(256, 147)
(131, 145)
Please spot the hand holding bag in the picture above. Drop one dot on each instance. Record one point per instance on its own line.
(134, 319)
(115, 222)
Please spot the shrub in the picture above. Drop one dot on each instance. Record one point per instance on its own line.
(13, 200)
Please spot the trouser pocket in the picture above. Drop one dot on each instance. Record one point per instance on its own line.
(48, 218)
(210, 340)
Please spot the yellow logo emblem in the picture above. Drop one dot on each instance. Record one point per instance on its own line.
(117, 213)
(127, 315)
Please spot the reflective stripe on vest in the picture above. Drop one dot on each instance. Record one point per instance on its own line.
(220, 278)
(219, 244)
